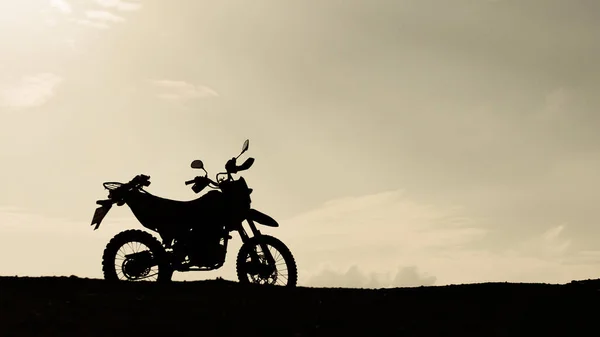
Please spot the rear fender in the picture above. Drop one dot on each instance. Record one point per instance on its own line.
(100, 213)
(261, 218)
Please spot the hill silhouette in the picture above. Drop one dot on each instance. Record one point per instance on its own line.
(72, 306)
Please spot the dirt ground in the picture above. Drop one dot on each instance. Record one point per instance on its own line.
(71, 306)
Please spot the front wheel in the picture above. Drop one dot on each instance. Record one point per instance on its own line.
(135, 255)
(252, 264)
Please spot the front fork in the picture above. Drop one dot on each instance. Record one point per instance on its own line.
(256, 234)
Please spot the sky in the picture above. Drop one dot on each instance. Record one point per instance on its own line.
(398, 143)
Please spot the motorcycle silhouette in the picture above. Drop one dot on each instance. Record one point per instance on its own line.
(194, 233)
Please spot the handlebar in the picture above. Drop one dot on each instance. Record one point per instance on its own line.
(230, 167)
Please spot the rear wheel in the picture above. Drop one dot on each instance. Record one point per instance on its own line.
(135, 255)
(252, 265)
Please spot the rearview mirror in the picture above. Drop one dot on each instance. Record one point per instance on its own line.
(245, 146)
(198, 164)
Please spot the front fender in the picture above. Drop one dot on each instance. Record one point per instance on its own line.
(261, 218)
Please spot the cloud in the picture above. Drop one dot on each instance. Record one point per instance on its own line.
(180, 90)
(103, 16)
(379, 231)
(102, 19)
(73, 45)
(90, 23)
(53, 239)
(409, 277)
(31, 91)
(99, 19)
(586, 257)
(355, 278)
(120, 5)
(383, 220)
(62, 6)
(549, 244)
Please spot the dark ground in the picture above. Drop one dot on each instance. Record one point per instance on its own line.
(62, 306)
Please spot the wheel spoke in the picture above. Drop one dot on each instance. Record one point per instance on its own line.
(274, 274)
(130, 256)
(134, 247)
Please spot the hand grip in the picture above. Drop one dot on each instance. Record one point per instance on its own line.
(189, 182)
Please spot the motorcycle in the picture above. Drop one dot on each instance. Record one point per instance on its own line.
(194, 234)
